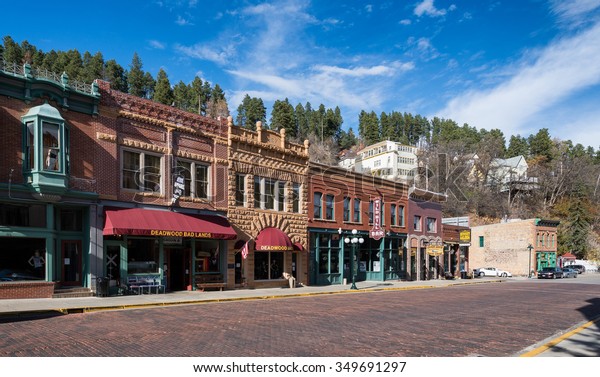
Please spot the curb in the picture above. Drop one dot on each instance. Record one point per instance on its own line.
(546, 346)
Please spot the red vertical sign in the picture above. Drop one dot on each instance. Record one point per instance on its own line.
(376, 233)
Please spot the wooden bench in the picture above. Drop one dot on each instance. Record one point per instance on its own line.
(205, 281)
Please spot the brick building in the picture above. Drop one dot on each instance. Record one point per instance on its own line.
(341, 201)
(518, 246)
(114, 191)
(424, 249)
(457, 240)
(48, 198)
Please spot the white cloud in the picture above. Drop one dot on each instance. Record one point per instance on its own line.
(570, 10)
(355, 88)
(426, 7)
(562, 69)
(156, 44)
(369, 8)
(218, 55)
(405, 22)
(356, 72)
(182, 21)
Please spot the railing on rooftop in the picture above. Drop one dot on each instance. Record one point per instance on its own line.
(26, 70)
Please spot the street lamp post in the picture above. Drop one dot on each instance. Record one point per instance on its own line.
(354, 240)
(530, 247)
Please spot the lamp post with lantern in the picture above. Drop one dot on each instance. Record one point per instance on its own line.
(353, 240)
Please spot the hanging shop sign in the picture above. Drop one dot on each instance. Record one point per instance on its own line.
(465, 236)
(435, 250)
(376, 233)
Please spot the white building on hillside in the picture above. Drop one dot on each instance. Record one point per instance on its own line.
(511, 173)
(386, 159)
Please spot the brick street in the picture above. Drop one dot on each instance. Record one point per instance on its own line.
(471, 320)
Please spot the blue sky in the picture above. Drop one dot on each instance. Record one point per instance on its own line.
(513, 65)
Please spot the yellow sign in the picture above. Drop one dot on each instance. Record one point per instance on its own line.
(465, 235)
(435, 250)
(177, 233)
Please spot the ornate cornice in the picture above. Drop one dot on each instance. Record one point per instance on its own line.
(141, 145)
(106, 137)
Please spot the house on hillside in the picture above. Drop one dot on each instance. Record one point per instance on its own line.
(510, 174)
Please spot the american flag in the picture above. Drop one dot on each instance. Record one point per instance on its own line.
(245, 250)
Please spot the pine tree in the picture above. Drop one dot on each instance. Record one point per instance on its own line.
(12, 53)
(369, 124)
(196, 95)
(347, 139)
(163, 92)
(250, 111)
(182, 97)
(517, 146)
(148, 87)
(135, 77)
(301, 121)
(93, 67)
(116, 75)
(541, 145)
(282, 116)
(578, 222)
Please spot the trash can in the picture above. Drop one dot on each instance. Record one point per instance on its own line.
(101, 286)
(463, 274)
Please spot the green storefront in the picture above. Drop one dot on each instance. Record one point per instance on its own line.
(376, 260)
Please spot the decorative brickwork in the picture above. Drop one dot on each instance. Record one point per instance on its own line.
(265, 153)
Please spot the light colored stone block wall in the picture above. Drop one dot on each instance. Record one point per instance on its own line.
(504, 246)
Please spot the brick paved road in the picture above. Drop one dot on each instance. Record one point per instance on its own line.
(498, 319)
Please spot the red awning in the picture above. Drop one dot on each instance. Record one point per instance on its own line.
(273, 239)
(146, 222)
(298, 246)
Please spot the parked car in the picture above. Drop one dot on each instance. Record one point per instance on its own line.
(577, 267)
(16, 275)
(490, 271)
(550, 273)
(569, 272)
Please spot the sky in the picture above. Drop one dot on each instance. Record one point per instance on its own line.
(517, 66)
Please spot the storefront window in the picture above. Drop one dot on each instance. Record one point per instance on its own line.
(370, 256)
(208, 256)
(142, 256)
(71, 220)
(268, 265)
(22, 259)
(23, 215)
(329, 254)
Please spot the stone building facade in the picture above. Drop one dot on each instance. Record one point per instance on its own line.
(518, 246)
(267, 203)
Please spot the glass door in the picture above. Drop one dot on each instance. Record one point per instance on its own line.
(71, 263)
(115, 267)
